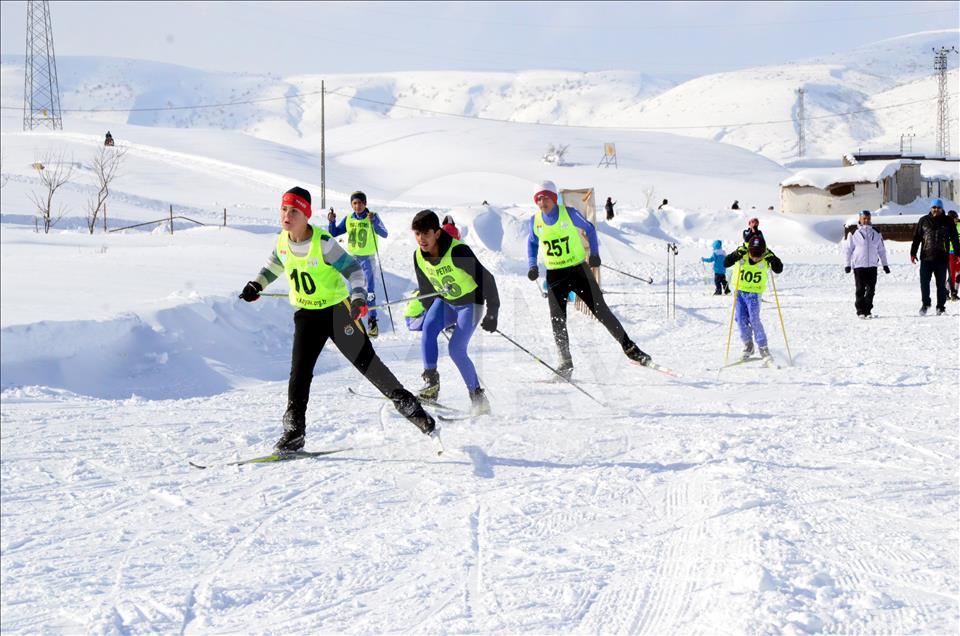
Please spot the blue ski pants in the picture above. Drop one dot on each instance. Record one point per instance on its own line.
(366, 264)
(466, 318)
(748, 318)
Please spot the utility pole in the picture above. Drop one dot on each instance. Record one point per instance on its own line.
(41, 91)
(323, 147)
(801, 124)
(940, 65)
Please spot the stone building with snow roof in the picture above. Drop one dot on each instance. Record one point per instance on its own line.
(869, 184)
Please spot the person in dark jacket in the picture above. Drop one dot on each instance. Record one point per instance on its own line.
(753, 229)
(108, 140)
(954, 266)
(735, 206)
(609, 207)
(934, 234)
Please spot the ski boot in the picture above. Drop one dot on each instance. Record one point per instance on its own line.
(747, 350)
(954, 297)
(431, 384)
(566, 368)
(765, 353)
(633, 352)
(372, 329)
(923, 309)
(410, 407)
(294, 428)
(479, 403)
(941, 311)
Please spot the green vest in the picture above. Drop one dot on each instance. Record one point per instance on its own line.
(753, 276)
(414, 308)
(446, 274)
(313, 283)
(360, 238)
(561, 240)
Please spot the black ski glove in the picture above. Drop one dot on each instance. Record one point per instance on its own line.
(886, 270)
(594, 260)
(489, 321)
(847, 269)
(533, 273)
(358, 308)
(251, 291)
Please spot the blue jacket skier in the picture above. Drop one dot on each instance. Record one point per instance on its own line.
(755, 260)
(360, 228)
(719, 269)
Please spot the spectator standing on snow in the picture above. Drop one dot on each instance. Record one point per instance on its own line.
(735, 206)
(954, 265)
(108, 140)
(450, 227)
(361, 228)
(325, 309)
(755, 261)
(753, 229)
(864, 248)
(719, 269)
(609, 207)
(934, 234)
(557, 228)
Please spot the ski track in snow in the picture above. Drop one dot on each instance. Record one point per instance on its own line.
(821, 497)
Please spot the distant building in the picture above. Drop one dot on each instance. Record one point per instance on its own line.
(868, 182)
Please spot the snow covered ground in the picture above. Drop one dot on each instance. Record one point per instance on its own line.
(820, 497)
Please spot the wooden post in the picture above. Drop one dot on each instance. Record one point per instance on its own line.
(323, 146)
(224, 217)
(171, 218)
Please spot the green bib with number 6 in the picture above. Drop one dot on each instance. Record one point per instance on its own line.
(561, 240)
(360, 240)
(753, 276)
(447, 275)
(313, 283)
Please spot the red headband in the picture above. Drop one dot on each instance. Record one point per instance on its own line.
(544, 193)
(298, 202)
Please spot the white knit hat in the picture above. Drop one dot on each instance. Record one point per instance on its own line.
(546, 187)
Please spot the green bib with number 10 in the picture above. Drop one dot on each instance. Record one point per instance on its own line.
(360, 239)
(561, 240)
(313, 283)
(447, 275)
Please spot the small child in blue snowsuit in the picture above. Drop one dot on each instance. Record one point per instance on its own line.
(719, 269)
(755, 262)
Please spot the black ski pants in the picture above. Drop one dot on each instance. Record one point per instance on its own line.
(578, 279)
(720, 281)
(312, 329)
(866, 280)
(938, 269)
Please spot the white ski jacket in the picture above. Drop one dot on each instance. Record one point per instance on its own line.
(865, 247)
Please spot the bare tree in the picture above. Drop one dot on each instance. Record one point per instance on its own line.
(54, 171)
(105, 164)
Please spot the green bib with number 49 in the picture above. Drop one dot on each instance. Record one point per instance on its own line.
(753, 276)
(561, 240)
(446, 275)
(360, 239)
(313, 283)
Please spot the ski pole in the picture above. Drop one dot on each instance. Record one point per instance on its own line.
(736, 288)
(648, 281)
(568, 380)
(376, 246)
(773, 279)
(406, 300)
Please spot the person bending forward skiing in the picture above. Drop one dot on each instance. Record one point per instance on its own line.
(316, 266)
(556, 227)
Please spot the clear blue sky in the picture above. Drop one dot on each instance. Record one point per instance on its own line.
(688, 38)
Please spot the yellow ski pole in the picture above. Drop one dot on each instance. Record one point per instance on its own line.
(773, 279)
(736, 287)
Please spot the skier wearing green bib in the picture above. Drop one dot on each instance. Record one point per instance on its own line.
(325, 309)
(362, 228)
(556, 227)
(444, 264)
(750, 282)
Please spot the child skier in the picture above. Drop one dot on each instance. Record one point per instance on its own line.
(753, 229)
(719, 271)
(444, 264)
(558, 229)
(755, 259)
(360, 228)
(316, 266)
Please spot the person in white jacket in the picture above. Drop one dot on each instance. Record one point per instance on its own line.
(864, 249)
